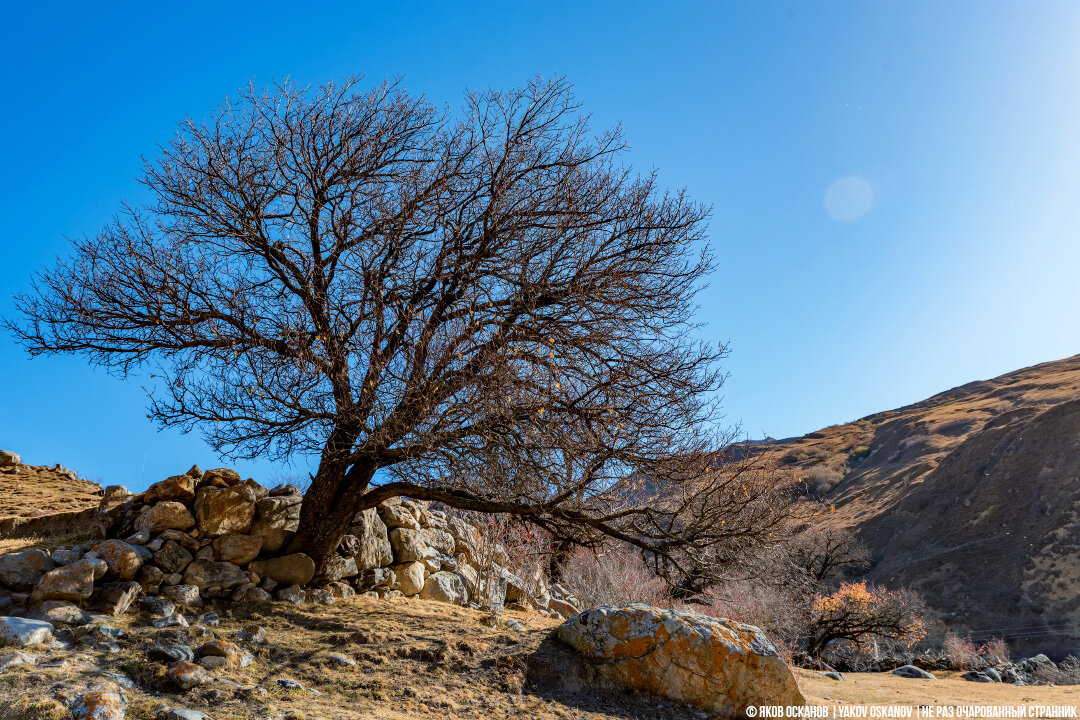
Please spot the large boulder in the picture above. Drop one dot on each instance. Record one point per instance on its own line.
(374, 545)
(179, 487)
(716, 664)
(123, 560)
(239, 549)
(70, 582)
(166, 515)
(206, 574)
(9, 459)
(277, 519)
(115, 598)
(224, 510)
(399, 515)
(340, 567)
(409, 578)
(22, 570)
(409, 545)
(295, 569)
(439, 540)
(447, 587)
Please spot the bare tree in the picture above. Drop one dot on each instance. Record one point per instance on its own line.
(822, 554)
(417, 296)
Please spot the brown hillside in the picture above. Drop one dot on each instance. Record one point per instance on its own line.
(29, 491)
(970, 497)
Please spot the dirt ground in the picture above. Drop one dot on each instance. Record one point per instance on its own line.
(414, 659)
(948, 689)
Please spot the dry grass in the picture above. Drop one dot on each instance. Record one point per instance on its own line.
(947, 689)
(37, 490)
(415, 659)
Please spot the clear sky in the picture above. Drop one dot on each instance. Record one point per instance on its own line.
(896, 185)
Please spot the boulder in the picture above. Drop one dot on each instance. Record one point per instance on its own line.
(716, 664)
(227, 476)
(439, 540)
(9, 459)
(292, 593)
(277, 519)
(22, 570)
(374, 578)
(398, 516)
(123, 560)
(408, 545)
(320, 596)
(172, 558)
(224, 510)
(340, 567)
(295, 569)
(374, 549)
(238, 549)
(409, 578)
(179, 487)
(562, 607)
(182, 594)
(910, 671)
(447, 587)
(206, 574)
(186, 675)
(102, 702)
(115, 598)
(150, 577)
(70, 582)
(166, 515)
(23, 631)
(974, 676)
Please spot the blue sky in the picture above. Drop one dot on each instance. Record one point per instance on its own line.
(943, 135)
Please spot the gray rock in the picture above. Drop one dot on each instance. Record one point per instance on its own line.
(289, 684)
(257, 595)
(22, 570)
(833, 675)
(207, 574)
(9, 459)
(447, 587)
(285, 490)
(910, 671)
(277, 519)
(373, 544)
(974, 676)
(320, 596)
(115, 598)
(170, 653)
(158, 606)
(291, 593)
(175, 620)
(409, 545)
(992, 674)
(24, 632)
(341, 660)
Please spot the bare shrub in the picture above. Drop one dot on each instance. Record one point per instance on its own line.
(1066, 672)
(822, 479)
(612, 575)
(507, 544)
(964, 654)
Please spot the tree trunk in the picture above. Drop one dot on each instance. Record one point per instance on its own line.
(329, 507)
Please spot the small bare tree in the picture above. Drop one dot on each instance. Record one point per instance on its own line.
(416, 296)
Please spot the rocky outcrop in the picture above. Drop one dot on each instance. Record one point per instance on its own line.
(203, 536)
(716, 664)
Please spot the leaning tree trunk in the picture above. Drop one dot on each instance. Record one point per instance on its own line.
(329, 507)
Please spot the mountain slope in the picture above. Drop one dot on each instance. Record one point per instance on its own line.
(971, 497)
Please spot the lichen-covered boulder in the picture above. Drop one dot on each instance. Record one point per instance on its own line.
(223, 510)
(295, 569)
(122, 559)
(172, 557)
(104, 702)
(70, 582)
(166, 515)
(713, 663)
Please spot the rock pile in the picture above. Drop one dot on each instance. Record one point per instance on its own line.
(210, 535)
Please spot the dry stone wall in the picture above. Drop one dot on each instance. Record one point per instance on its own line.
(212, 536)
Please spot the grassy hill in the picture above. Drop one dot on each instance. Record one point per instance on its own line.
(970, 497)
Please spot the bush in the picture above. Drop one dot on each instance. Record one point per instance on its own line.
(856, 613)
(822, 479)
(612, 575)
(964, 654)
(858, 453)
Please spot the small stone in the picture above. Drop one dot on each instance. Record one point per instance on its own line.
(210, 619)
(187, 675)
(173, 579)
(171, 653)
(19, 658)
(289, 684)
(257, 595)
(158, 606)
(175, 620)
(320, 596)
(140, 538)
(291, 593)
(101, 703)
(252, 633)
(212, 662)
(342, 660)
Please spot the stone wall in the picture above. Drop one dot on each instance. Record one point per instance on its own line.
(210, 535)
